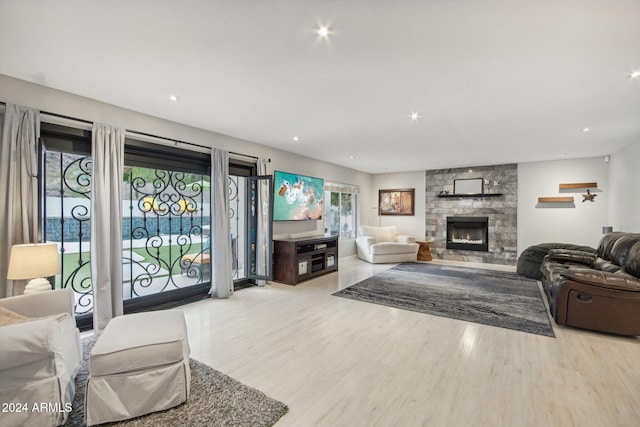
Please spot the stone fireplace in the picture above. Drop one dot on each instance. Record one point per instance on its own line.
(468, 233)
(498, 203)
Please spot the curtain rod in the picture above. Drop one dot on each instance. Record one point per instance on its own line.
(190, 143)
(62, 116)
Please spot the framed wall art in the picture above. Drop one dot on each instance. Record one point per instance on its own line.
(396, 202)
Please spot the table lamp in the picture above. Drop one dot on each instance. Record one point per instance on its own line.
(34, 261)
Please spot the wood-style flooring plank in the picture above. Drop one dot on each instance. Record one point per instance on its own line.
(338, 362)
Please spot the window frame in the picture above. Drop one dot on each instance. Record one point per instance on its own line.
(341, 189)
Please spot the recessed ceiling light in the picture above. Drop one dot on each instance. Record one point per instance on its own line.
(324, 31)
(585, 129)
(634, 74)
(352, 157)
(174, 98)
(296, 139)
(414, 116)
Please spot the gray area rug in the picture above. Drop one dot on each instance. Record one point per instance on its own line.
(215, 400)
(494, 298)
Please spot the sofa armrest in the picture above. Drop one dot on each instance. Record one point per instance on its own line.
(365, 242)
(41, 304)
(25, 343)
(602, 279)
(573, 256)
(405, 239)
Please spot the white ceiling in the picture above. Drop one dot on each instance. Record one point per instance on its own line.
(493, 81)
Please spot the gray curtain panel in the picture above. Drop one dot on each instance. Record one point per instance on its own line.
(107, 150)
(221, 258)
(18, 186)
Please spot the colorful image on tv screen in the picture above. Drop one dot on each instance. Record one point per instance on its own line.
(297, 197)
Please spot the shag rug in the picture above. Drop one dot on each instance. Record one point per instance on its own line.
(215, 399)
(495, 298)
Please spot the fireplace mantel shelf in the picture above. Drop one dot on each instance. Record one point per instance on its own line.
(458, 196)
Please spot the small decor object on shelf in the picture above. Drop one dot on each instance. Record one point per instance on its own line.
(588, 196)
(396, 202)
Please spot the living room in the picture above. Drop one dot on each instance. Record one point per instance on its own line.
(334, 362)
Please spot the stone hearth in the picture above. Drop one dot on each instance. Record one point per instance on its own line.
(501, 212)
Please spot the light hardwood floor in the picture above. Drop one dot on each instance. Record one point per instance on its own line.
(338, 362)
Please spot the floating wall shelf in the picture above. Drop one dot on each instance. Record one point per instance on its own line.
(578, 185)
(450, 196)
(555, 199)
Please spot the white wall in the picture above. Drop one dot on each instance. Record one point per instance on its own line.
(411, 225)
(624, 180)
(289, 162)
(54, 101)
(581, 224)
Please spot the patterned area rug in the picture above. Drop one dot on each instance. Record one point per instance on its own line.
(215, 400)
(495, 298)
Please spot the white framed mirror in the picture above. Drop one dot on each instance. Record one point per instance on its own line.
(468, 186)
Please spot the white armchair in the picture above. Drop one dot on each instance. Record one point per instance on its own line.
(39, 358)
(383, 244)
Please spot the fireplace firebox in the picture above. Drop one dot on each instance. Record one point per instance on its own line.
(468, 233)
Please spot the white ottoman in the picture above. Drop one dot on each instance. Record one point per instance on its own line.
(139, 364)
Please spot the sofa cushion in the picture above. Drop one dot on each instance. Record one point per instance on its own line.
(604, 265)
(530, 259)
(632, 266)
(387, 248)
(8, 317)
(606, 244)
(381, 234)
(621, 247)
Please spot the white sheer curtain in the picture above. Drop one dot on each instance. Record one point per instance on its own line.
(264, 241)
(18, 186)
(107, 150)
(221, 260)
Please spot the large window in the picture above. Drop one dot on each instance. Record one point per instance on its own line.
(166, 231)
(341, 210)
(166, 225)
(66, 197)
(166, 218)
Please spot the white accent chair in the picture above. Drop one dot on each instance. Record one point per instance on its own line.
(383, 244)
(39, 358)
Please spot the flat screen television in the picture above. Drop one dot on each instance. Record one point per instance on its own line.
(297, 197)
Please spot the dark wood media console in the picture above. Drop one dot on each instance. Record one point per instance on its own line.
(295, 260)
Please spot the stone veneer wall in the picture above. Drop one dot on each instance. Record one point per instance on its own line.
(501, 211)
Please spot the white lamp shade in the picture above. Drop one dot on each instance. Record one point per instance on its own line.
(33, 260)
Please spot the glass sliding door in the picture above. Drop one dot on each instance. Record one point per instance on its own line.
(166, 225)
(166, 231)
(259, 227)
(250, 213)
(238, 220)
